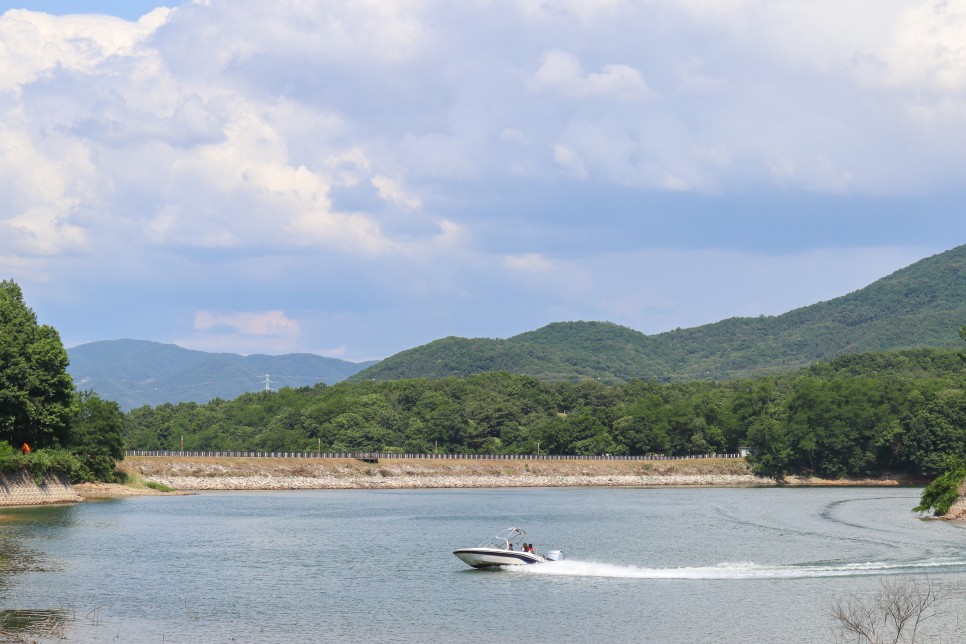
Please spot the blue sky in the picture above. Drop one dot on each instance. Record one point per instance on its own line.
(127, 9)
(357, 178)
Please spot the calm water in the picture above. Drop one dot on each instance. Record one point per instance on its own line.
(643, 565)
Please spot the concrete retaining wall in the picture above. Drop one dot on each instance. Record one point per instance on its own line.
(18, 488)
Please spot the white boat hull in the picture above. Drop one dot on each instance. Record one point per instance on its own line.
(489, 557)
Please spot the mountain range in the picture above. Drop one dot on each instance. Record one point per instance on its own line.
(922, 305)
(138, 372)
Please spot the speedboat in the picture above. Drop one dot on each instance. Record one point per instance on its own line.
(504, 549)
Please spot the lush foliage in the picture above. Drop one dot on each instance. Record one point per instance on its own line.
(78, 435)
(39, 462)
(96, 437)
(919, 306)
(940, 495)
(36, 393)
(859, 415)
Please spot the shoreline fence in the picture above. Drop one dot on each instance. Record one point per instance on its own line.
(370, 456)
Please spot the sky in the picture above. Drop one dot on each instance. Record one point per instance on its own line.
(353, 178)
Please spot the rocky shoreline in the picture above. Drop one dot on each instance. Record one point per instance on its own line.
(202, 474)
(198, 483)
(188, 475)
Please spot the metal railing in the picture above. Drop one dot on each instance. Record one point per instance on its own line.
(394, 455)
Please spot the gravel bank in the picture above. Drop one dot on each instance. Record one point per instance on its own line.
(192, 474)
(475, 481)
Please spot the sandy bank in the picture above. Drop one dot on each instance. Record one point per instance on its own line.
(91, 491)
(302, 474)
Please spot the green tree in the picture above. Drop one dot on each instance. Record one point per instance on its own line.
(36, 392)
(940, 495)
(771, 454)
(96, 436)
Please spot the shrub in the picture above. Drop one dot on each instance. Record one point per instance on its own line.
(942, 493)
(160, 487)
(10, 458)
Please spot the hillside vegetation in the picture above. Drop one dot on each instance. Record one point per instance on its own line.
(902, 412)
(919, 306)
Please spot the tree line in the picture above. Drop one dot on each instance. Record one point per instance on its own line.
(860, 415)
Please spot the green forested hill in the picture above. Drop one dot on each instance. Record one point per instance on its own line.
(858, 415)
(920, 305)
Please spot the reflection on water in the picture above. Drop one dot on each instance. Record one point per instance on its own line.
(16, 558)
(35, 623)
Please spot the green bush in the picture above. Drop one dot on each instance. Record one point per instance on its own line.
(10, 458)
(44, 461)
(942, 493)
(40, 462)
(94, 464)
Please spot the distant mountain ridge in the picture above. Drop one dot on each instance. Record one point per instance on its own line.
(139, 372)
(921, 305)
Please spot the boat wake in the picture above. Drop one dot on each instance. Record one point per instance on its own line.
(742, 570)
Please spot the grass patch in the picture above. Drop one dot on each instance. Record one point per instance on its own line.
(134, 480)
(160, 487)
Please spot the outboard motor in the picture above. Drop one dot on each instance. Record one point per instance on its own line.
(554, 555)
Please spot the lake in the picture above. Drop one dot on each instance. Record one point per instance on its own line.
(642, 565)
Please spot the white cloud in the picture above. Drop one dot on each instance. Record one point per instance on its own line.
(370, 152)
(245, 144)
(42, 231)
(450, 234)
(536, 272)
(528, 263)
(583, 10)
(570, 162)
(243, 332)
(561, 73)
(43, 184)
(927, 50)
(251, 323)
(390, 190)
(36, 43)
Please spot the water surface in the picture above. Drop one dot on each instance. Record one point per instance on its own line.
(660, 565)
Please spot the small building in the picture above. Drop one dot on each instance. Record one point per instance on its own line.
(744, 451)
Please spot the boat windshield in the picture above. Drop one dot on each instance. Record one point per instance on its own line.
(509, 539)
